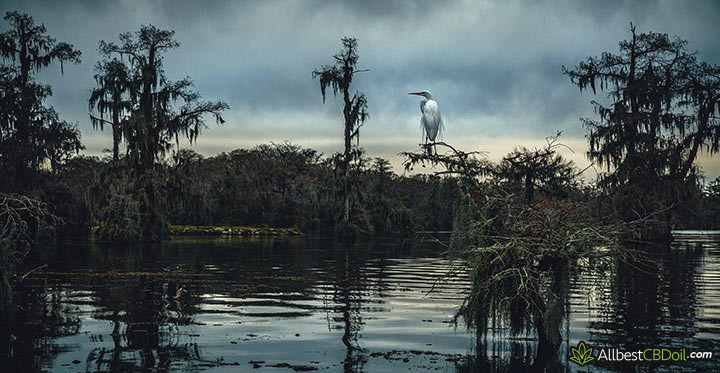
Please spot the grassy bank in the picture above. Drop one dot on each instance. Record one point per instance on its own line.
(227, 230)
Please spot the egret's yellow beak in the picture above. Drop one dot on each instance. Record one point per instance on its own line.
(415, 93)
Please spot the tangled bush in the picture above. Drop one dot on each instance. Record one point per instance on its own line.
(121, 220)
(525, 226)
(23, 221)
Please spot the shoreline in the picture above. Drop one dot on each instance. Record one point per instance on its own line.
(229, 230)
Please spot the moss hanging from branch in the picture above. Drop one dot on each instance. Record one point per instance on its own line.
(338, 78)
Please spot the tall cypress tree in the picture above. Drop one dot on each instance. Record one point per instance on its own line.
(338, 77)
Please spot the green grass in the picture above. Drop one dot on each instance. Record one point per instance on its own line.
(228, 230)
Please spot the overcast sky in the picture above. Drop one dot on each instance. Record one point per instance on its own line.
(493, 67)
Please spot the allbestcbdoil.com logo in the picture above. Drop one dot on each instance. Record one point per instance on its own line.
(583, 354)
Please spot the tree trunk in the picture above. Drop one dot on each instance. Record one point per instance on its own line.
(116, 131)
(348, 148)
(346, 176)
(24, 118)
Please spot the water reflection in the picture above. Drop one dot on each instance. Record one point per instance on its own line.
(216, 305)
(302, 303)
(145, 321)
(26, 343)
(656, 300)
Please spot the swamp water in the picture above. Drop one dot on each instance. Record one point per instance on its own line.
(301, 303)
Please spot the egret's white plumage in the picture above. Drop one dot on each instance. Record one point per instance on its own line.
(431, 121)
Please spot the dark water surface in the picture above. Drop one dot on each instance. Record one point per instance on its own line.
(275, 304)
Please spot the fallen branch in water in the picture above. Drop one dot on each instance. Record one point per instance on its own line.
(23, 277)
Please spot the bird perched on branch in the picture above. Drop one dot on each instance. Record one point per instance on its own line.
(431, 121)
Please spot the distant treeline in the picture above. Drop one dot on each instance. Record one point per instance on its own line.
(278, 185)
(284, 185)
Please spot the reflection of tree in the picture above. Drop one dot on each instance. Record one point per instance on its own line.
(652, 300)
(42, 314)
(525, 355)
(519, 356)
(683, 291)
(348, 296)
(131, 290)
(150, 332)
(657, 289)
(148, 309)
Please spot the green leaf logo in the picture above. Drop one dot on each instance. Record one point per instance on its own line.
(581, 355)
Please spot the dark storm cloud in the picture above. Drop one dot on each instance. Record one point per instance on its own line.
(495, 67)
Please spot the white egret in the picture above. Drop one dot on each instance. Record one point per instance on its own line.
(431, 121)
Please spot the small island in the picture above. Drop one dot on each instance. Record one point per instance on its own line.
(227, 230)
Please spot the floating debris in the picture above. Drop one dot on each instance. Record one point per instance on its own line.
(297, 368)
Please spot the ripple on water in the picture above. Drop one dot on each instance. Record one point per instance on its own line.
(374, 307)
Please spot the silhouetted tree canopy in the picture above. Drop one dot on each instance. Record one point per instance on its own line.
(114, 97)
(157, 123)
(662, 111)
(544, 169)
(31, 134)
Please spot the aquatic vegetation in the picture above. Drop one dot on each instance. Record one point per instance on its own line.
(524, 237)
(523, 260)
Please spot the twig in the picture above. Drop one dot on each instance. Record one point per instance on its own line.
(23, 277)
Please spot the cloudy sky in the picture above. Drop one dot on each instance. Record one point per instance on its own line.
(493, 66)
